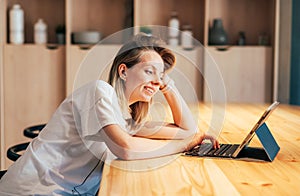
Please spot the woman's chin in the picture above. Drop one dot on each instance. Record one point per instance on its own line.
(146, 98)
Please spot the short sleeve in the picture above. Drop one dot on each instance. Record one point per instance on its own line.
(103, 112)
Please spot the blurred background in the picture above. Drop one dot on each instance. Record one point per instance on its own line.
(49, 48)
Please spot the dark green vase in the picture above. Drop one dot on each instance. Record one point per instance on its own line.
(217, 34)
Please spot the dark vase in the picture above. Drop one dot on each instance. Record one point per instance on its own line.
(60, 38)
(217, 34)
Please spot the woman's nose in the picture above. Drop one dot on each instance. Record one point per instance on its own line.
(157, 81)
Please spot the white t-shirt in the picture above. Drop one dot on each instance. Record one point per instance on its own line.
(65, 157)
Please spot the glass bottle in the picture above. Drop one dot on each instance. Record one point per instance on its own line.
(173, 30)
(187, 37)
(242, 38)
(16, 25)
(40, 32)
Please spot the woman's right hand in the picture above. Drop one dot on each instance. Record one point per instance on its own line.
(165, 82)
(198, 139)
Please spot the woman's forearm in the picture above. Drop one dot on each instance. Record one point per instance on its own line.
(128, 147)
(162, 130)
(181, 113)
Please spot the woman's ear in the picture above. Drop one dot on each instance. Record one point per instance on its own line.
(122, 70)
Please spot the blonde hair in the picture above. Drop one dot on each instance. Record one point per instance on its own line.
(130, 54)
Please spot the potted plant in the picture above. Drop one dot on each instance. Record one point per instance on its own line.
(60, 31)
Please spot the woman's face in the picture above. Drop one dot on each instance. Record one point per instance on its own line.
(143, 80)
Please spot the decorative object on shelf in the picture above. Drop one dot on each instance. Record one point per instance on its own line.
(263, 39)
(146, 30)
(187, 37)
(40, 32)
(242, 38)
(86, 37)
(16, 24)
(217, 34)
(173, 30)
(60, 32)
(173, 41)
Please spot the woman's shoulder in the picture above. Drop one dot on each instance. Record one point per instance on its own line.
(99, 88)
(100, 84)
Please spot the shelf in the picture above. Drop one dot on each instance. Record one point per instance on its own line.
(31, 45)
(157, 12)
(227, 47)
(254, 17)
(51, 11)
(106, 17)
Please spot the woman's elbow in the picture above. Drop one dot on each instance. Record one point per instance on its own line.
(124, 152)
(193, 131)
(188, 133)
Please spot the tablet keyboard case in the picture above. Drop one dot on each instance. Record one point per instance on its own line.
(267, 153)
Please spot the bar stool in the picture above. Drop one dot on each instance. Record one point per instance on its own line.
(33, 131)
(14, 152)
(2, 172)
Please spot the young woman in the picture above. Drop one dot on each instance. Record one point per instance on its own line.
(66, 157)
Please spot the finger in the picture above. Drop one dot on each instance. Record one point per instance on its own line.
(215, 143)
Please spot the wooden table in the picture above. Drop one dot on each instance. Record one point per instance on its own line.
(181, 175)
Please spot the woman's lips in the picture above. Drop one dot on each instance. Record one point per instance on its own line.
(149, 89)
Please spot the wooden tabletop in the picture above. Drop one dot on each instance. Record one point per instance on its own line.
(182, 175)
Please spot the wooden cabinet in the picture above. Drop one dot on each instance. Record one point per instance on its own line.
(247, 70)
(26, 85)
(145, 13)
(33, 87)
(187, 73)
(32, 76)
(87, 65)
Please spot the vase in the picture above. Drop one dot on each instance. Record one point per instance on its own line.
(60, 38)
(217, 34)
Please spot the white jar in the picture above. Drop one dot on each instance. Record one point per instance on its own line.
(187, 37)
(40, 32)
(174, 25)
(173, 41)
(16, 24)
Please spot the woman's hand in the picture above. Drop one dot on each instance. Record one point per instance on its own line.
(198, 139)
(166, 81)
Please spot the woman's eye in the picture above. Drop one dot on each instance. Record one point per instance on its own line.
(149, 72)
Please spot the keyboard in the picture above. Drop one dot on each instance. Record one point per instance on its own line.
(207, 150)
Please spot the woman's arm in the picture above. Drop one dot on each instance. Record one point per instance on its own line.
(128, 147)
(182, 115)
(163, 130)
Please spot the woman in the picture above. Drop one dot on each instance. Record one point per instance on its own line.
(66, 157)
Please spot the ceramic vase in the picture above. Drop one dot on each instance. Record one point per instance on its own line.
(217, 34)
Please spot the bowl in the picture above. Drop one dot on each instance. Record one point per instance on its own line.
(86, 37)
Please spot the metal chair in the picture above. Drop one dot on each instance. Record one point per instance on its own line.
(33, 131)
(13, 153)
(2, 173)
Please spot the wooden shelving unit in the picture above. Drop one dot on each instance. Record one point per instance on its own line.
(25, 65)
